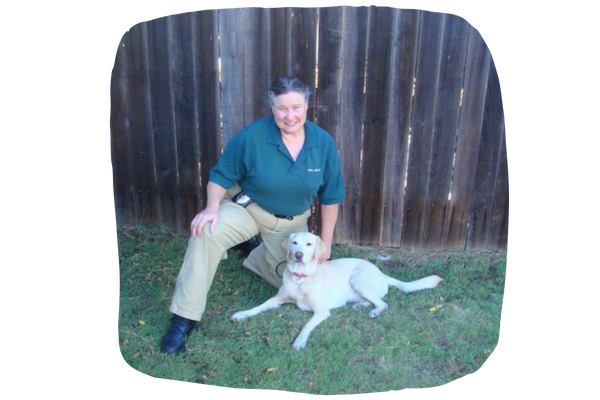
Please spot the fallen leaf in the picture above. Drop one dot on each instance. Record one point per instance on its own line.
(272, 369)
(142, 322)
(436, 308)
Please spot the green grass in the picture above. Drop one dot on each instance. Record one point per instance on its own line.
(424, 339)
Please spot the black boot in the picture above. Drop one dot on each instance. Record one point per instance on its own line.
(248, 246)
(174, 341)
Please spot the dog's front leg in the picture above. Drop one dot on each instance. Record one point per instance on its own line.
(273, 302)
(317, 318)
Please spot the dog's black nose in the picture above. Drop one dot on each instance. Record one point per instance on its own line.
(299, 255)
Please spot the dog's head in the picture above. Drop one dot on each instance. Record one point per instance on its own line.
(303, 251)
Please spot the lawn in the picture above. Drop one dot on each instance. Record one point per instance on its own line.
(424, 339)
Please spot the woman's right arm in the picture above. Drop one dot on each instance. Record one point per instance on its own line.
(214, 196)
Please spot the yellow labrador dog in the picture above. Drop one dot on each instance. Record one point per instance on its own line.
(322, 287)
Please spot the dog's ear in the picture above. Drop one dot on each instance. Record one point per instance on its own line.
(286, 246)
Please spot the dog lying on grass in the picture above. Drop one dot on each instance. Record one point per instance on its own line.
(335, 283)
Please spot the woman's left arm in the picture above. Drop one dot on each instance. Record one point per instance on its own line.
(329, 215)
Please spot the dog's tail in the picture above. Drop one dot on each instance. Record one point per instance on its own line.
(420, 284)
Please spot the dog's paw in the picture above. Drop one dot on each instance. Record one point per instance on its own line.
(238, 316)
(299, 343)
(374, 313)
(360, 305)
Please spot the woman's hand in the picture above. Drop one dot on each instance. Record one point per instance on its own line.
(215, 194)
(200, 220)
(329, 214)
(327, 254)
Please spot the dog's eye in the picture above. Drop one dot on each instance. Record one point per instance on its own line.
(309, 244)
(294, 242)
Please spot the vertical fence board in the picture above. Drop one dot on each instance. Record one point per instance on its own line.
(281, 43)
(120, 138)
(487, 166)
(184, 93)
(343, 32)
(375, 121)
(327, 98)
(403, 61)
(244, 60)
(304, 46)
(452, 68)
(140, 122)
(231, 22)
(423, 125)
(467, 149)
(499, 224)
(208, 119)
(257, 80)
(161, 114)
(348, 136)
(330, 58)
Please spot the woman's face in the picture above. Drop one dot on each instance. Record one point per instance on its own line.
(289, 111)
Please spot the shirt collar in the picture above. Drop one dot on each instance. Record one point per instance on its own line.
(274, 136)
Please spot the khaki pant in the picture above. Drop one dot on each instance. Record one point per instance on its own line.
(236, 225)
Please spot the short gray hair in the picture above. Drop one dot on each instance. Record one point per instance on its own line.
(288, 84)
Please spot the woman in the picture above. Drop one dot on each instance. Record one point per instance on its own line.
(264, 183)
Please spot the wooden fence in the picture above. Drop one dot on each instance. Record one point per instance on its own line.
(411, 98)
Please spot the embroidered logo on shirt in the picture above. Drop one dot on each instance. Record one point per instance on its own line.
(314, 170)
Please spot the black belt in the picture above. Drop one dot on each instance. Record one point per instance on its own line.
(244, 201)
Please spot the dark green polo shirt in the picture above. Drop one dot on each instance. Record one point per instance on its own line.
(256, 158)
